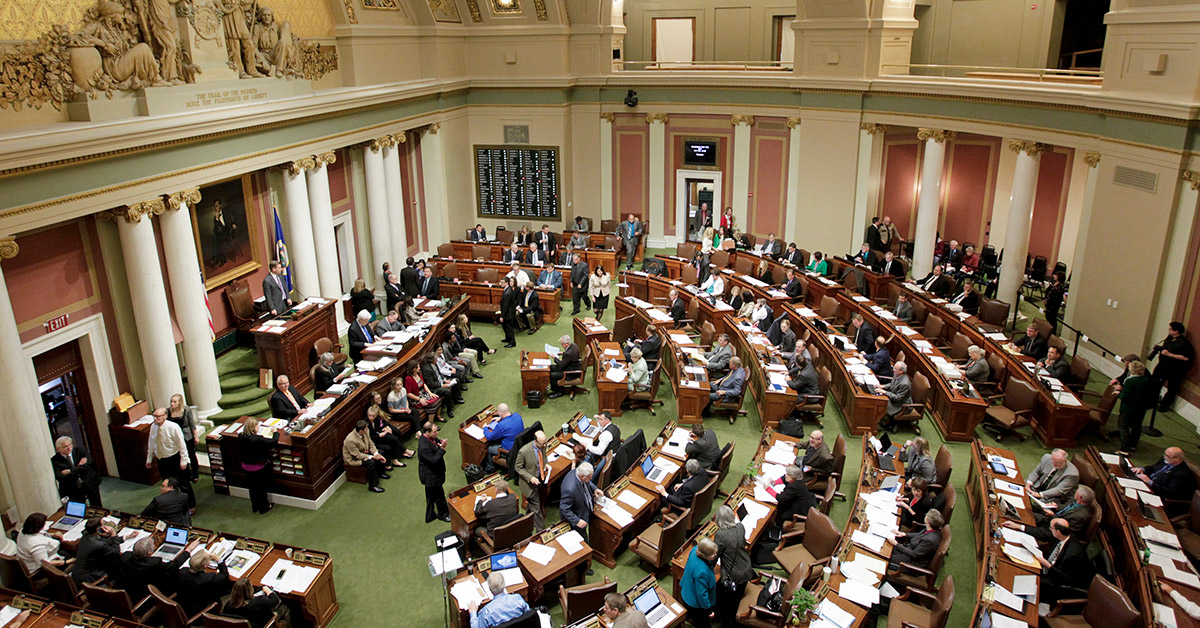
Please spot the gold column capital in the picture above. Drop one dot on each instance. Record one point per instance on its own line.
(298, 167)
(381, 143)
(325, 158)
(738, 120)
(399, 138)
(433, 128)
(1029, 147)
(661, 118)
(176, 199)
(874, 128)
(938, 135)
(9, 248)
(133, 213)
(608, 117)
(792, 123)
(1091, 158)
(1191, 176)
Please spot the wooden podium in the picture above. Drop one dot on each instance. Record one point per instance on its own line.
(290, 352)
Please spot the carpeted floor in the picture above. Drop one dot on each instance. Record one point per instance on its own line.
(379, 541)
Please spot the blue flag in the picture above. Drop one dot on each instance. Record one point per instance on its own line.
(281, 252)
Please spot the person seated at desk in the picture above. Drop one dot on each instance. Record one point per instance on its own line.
(170, 505)
(719, 356)
(817, 460)
(98, 553)
(497, 511)
(567, 361)
(970, 262)
(861, 333)
(728, 388)
(390, 323)
(968, 298)
(408, 311)
(1055, 364)
(1066, 566)
(714, 285)
(1078, 512)
(358, 450)
(763, 273)
(977, 369)
(682, 493)
(864, 257)
(804, 377)
(579, 241)
(429, 287)
(703, 447)
(914, 506)
(519, 277)
(678, 308)
(1169, 478)
(952, 256)
(139, 568)
(818, 264)
(500, 433)
(787, 339)
(327, 373)
(904, 308)
(888, 266)
(917, 548)
(502, 608)
(880, 360)
(35, 546)
(582, 225)
(918, 460)
(536, 256)
(639, 372)
(936, 283)
(478, 234)
(199, 587)
(772, 247)
(793, 256)
(524, 236)
(1031, 344)
(651, 345)
(566, 254)
(617, 611)
(360, 335)
(607, 440)
(385, 438)
(792, 285)
(513, 254)
(549, 279)
(256, 609)
(795, 498)
(898, 392)
(762, 316)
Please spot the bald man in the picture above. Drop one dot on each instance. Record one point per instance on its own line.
(1054, 479)
(1169, 478)
(816, 459)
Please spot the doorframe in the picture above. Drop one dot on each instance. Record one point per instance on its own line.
(345, 220)
(97, 368)
(681, 199)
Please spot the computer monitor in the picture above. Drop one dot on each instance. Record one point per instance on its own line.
(584, 424)
(647, 465)
(76, 509)
(177, 536)
(504, 560)
(647, 601)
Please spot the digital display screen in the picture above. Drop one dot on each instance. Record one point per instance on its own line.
(700, 153)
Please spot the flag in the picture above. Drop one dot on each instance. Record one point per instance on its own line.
(281, 252)
(212, 331)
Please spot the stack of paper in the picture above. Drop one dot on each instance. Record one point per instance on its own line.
(834, 614)
(867, 540)
(1004, 621)
(859, 593)
(1165, 615)
(619, 515)
(754, 513)
(538, 553)
(474, 431)
(633, 499)
(240, 562)
(9, 613)
(1006, 597)
(1015, 489)
(469, 591)
(1136, 485)
(857, 572)
(571, 542)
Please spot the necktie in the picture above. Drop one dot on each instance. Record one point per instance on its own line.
(1069, 508)
(71, 458)
(1047, 481)
(425, 288)
(959, 298)
(1057, 550)
(587, 496)
(541, 464)
(1161, 472)
(288, 394)
(279, 282)
(367, 333)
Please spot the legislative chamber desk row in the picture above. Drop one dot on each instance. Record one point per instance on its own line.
(468, 271)
(486, 252)
(264, 561)
(485, 297)
(46, 614)
(308, 461)
(285, 343)
(675, 611)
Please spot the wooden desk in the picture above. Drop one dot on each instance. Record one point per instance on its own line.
(291, 351)
(775, 401)
(533, 377)
(468, 271)
(462, 505)
(606, 536)
(678, 613)
(657, 293)
(877, 283)
(708, 530)
(318, 603)
(485, 298)
(570, 567)
(586, 330)
(129, 446)
(610, 394)
(474, 450)
(479, 571)
(465, 250)
(688, 378)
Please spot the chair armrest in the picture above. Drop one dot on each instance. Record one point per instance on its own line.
(927, 597)
(642, 541)
(814, 399)
(759, 609)
(1061, 604)
(1023, 413)
(994, 398)
(914, 406)
(915, 568)
(1089, 393)
(139, 609)
(799, 518)
(194, 618)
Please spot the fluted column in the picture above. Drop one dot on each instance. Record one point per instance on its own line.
(658, 177)
(791, 216)
(377, 208)
(929, 205)
(187, 294)
(606, 180)
(437, 209)
(321, 206)
(149, 296)
(24, 439)
(741, 171)
(395, 196)
(302, 250)
(1020, 215)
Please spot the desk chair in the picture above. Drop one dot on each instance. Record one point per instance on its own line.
(241, 304)
(450, 270)
(445, 250)
(1101, 409)
(657, 544)
(720, 258)
(59, 587)
(1015, 411)
(998, 371)
(910, 576)
(958, 348)
(994, 313)
(687, 324)
(828, 309)
(723, 463)
(812, 546)
(324, 345)
(605, 475)
(943, 463)
(733, 408)
(934, 332)
(905, 614)
(116, 602)
(813, 406)
(819, 481)
(171, 613)
(13, 575)
(912, 413)
(1188, 530)
(690, 276)
(218, 621)
(749, 613)
(1081, 371)
(506, 535)
(583, 600)
(647, 398)
(945, 501)
(487, 275)
(1105, 605)
(574, 380)
(623, 329)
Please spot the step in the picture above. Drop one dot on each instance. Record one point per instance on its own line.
(243, 396)
(228, 415)
(237, 380)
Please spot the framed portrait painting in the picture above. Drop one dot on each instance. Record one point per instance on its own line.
(226, 231)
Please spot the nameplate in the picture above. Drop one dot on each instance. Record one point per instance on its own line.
(309, 558)
(80, 618)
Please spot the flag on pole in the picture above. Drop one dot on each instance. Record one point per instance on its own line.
(212, 331)
(281, 252)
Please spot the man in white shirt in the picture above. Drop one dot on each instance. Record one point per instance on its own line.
(517, 275)
(608, 439)
(169, 447)
(715, 285)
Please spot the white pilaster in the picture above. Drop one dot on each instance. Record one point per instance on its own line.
(1177, 251)
(741, 170)
(866, 182)
(791, 215)
(24, 439)
(1092, 159)
(437, 209)
(606, 180)
(187, 294)
(321, 206)
(149, 297)
(657, 207)
(395, 199)
(377, 210)
(929, 204)
(1020, 215)
(302, 250)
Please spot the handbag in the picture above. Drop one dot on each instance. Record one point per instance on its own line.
(771, 596)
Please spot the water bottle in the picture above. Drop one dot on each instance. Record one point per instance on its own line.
(566, 429)
(826, 573)
(833, 564)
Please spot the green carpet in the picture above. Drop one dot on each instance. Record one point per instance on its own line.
(240, 394)
(381, 540)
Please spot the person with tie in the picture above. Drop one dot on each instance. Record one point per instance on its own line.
(579, 284)
(534, 255)
(549, 279)
(75, 472)
(678, 308)
(1031, 344)
(889, 266)
(792, 286)
(534, 472)
(360, 335)
(429, 285)
(1054, 478)
(862, 333)
(478, 234)
(530, 309)
(392, 291)
(936, 283)
(1055, 364)
(546, 242)
(968, 298)
(793, 256)
(904, 308)
(431, 470)
(513, 254)
(1169, 478)
(578, 496)
(728, 388)
(631, 233)
(275, 290)
(1067, 566)
(1078, 512)
(286, 403)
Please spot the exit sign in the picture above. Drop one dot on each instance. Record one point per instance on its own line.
(56, 324)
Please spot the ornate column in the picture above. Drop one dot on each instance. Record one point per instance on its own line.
(929, 204)
(1020, 214)
(149, 297)
(741, 170)
(866, 183)
(302, 249)
(24, 439)
(188, 296)
(322, 226)
(437, 210)
(395, 200)
(377, 208)
(606, 173)
(791, 218)
(657, 207)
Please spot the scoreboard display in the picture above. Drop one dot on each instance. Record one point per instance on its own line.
(517, 182)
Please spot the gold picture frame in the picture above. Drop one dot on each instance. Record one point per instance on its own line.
(233, 249)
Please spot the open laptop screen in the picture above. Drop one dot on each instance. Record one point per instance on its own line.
(76, 509)
(584, 424)
(647, 465)
(176, 536)
(504, 560)
(647, 601)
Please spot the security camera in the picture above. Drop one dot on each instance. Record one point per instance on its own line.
(631, 99)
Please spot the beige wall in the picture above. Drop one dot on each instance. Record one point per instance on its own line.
(1009, 33)
(828, 169)
(726, 30)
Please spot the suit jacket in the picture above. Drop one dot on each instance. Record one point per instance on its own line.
(794, 499)
(683, 495)
(526, 467)
(977, 370)
(787, 341)
(795, 257)
(899, 392)
(953, 257)
(356, 448)
(429, 288)
(80, 478)
(1178, 483)
(916, 548)
(774, 249)
(431, 467)
(880, 362)
(275, 295)
(1059, 484)
(549, 278)
(383, 326)
(731, 550)
(546, 242)
(1060, 369)
(508, 305)
(804, 382)
(968, 300)
(731, 385)
(523, 238)
(568, 360)
(920, 508)
(323, 378)
(1071, 567)
(940, 286)
(894, 268)
(871, 236)
(359, 338)
(394, 294)
(510, 256)
(705, 450)
(917, 465)
(866, 259)
(96, 557)
(794, 288)
(624, 231)
(864, 338)
(498, 511)
(135, 573)
(1035, 347)
(678, 311)
(818, 459)
(478, 236)
(537, 257)
(576, 502)
(197, 590)
(408, 280)
(579, 276)
(651, 347)
(904, 312)
(718, 357)
(281, 408)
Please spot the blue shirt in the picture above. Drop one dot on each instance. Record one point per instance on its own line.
(505, 430)
(698, 586)
(502, 608)
(550, 278)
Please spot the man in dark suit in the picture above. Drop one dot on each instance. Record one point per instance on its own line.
(286, 403)
(1031, 344)
(786, 343)
(566, 361)
(408, 277)
(275, 290)
(170, 505)
(772, 247)
(579, 284)
(804, 378)
(953, 256)
(651, 345)
(703, 447)
(861, 333)
(536, 256)
(497, 511)
(683, 493)
(678, 308)
(578, 497)
(360, 335)
(98, 554)
(393, 291)
(793, 286)
(795, 498)
(936, 283)
(880, 360)
(889, 266)
(793, 256)
(549, 279)
(1067, 565)
(904, 308)
(1170, 478)
(139, 568)
(76, 472)
(508, 312)
(1078, 512)
(429, 285)
(431, 470)
(917, 547)
(871, 235)
(199, 587)
(1175, 355)
(513, 254)
(546, 242)
(478, 234)
(817, 459)
(968, 298)
(1055, 363)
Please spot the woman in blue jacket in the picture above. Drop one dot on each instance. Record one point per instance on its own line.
(698, 587)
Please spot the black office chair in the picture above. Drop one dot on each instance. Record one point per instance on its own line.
(529, 620)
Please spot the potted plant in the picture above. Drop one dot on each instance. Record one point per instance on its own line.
(751, 471)
(803, 602)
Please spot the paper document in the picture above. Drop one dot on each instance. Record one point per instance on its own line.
(861, 574)
(1110, 458)
(552, 350)
(571, 542)
(240, 562)
(469, 591)
(762, 495)
(867, 540)
(538, 553)
(1165, 615)
(474, 431)
(1019, 554)
(859, 593)
(1134, 484)
(1180, 576)
(1025, 585)
(619, 515)
(1005, 597)
(877, 565)
(1150, 499)
(1012, 501)
(512, 576)
(1004, 621)
(539, 362)
(9, 613)
(834, 614)
(633, 499)
(1015, 489)
(444, 562)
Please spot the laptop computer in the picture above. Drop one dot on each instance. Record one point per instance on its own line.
(175, 543)
(653, 473)
(886, 446)
(75, 513)
(840, 344)
(586, 427)
(504, 560)
(652, 607)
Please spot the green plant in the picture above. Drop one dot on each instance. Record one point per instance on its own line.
(803, 601)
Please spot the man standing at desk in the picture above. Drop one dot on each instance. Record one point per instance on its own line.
(429, 285)
(630, 232)
(534, 471)
(578, 497)
(546, 242)
(566, 362)
(275, 290)
(579, 284)
(76, 475)
(285, 402)
(360, 335)
(703, 446)
(408, 277)
(500, 434)
(168, 446)
(431, 470)
(508, 312)
(503, 607)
